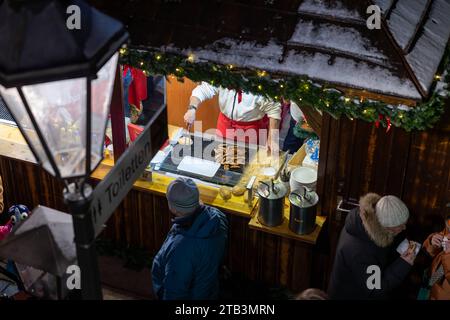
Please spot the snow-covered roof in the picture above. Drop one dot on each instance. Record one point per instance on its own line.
(327, 40)
(421, 28)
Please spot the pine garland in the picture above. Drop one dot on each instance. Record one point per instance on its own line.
(296, 88)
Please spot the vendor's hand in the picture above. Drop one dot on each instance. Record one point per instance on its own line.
(436, 240)
(409, 256)
(189, 116)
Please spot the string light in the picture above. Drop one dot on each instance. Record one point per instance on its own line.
(262, 73)
(191, 58)
(409, 121)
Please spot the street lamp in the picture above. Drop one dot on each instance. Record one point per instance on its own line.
(57, 82)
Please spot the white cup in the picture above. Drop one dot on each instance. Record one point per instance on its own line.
(303, 176)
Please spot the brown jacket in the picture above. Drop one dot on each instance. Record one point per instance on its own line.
(441, 289)
(1, 195)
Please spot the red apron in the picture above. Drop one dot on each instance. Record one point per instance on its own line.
(248, 131)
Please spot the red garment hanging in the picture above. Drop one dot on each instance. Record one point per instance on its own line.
(137, 91)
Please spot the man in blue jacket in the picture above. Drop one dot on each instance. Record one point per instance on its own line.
(187, 265)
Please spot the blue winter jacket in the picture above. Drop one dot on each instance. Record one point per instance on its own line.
(187, 265)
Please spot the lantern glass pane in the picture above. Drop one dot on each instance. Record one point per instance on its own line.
(102, 88)
(59, 109)
(17, 109)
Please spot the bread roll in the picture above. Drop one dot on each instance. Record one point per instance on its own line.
(225, 193)
(238, 191)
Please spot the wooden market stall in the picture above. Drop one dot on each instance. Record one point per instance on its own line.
(341, 69)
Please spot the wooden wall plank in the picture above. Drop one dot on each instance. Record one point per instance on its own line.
(178, 94)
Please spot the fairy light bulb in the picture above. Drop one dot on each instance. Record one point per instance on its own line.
(191, 58)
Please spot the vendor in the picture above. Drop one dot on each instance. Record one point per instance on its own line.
(239, 110)
(299, 130)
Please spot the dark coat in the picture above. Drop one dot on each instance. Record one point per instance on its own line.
(187, 265)
(364, 242)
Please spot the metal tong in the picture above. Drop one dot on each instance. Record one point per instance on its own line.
(187, 131)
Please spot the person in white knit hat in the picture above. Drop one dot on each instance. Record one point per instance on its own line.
(367, 265)
(392, 214)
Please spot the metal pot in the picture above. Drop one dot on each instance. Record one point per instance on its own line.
(271, 203)
(302, 217)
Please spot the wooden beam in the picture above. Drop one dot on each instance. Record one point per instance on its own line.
(402, 56)
(313, 117)
(352, 92)
(118, 116)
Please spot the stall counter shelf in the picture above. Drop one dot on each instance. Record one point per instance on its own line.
(283, 229)
(159, 183)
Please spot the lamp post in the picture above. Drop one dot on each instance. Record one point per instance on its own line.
(57, 84)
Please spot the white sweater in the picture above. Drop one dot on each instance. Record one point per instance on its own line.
(251, 108)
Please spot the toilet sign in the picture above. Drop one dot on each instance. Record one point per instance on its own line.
(110, 192)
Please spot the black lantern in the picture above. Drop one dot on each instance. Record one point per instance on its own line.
(58, 63)
(57, 80)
